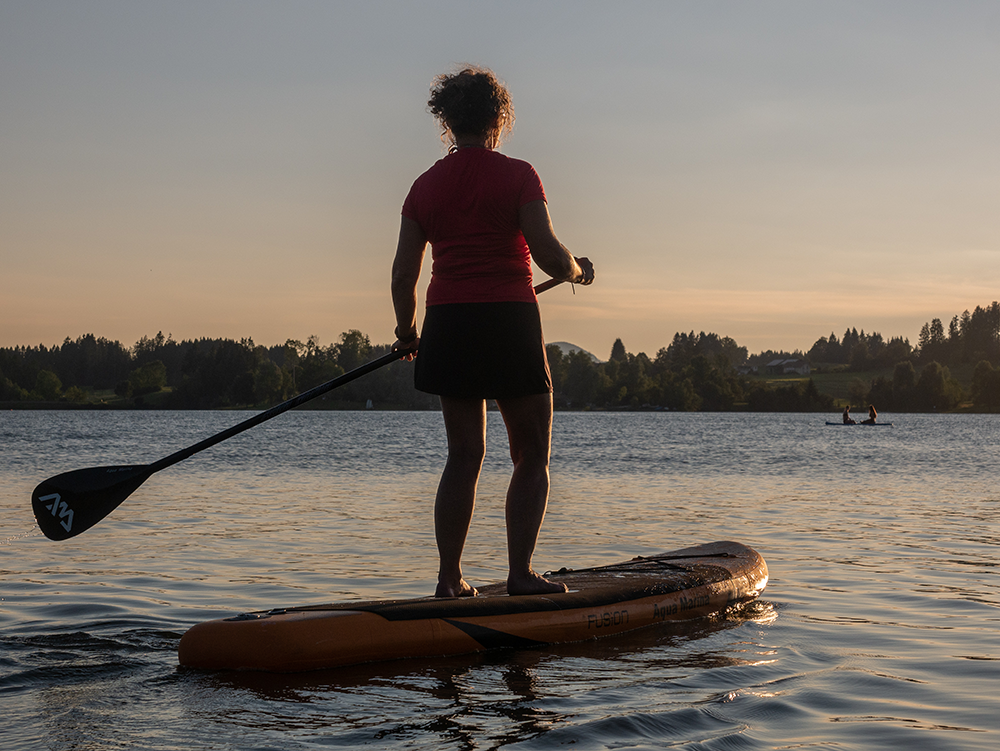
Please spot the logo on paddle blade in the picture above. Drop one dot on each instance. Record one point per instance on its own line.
(59, 508)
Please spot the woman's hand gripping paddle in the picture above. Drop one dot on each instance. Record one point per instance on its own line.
(73, 502)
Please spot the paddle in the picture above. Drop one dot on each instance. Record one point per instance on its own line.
(73, 502)
(547, 284)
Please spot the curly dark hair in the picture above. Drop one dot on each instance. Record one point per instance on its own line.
(472, 102)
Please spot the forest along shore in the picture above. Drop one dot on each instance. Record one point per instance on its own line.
(957, 371)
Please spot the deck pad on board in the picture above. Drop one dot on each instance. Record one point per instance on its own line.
(602, 601)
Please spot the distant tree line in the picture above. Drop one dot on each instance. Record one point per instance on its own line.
(860, 351)
(202, 373)
(970, 338)
(694, 372)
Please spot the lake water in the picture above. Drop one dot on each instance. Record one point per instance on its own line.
(879, 629)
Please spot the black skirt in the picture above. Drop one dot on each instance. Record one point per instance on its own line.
(483, 351)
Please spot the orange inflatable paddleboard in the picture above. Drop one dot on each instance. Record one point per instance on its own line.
(602, 601)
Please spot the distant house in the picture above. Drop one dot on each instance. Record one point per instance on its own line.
(784, 367)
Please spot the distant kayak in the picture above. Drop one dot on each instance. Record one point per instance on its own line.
(862, 424)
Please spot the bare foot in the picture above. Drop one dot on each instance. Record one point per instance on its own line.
(533, 584)
(462, 590)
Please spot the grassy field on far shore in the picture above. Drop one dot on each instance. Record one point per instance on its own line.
(837, 382)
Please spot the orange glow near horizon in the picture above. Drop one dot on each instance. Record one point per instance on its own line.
(207, 175)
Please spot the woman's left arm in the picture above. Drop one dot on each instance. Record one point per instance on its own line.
(405, 274)
(551, 255)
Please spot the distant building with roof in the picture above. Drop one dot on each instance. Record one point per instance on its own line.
(785, 367)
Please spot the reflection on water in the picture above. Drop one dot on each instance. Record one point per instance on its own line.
(879, 626)
(488, 699)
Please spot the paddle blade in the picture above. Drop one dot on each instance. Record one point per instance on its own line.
(73, 502)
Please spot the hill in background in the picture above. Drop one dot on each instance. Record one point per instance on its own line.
(568, 349)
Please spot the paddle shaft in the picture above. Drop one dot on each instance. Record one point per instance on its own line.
(73, 502)
(547, 284)
(276, 410)
(295, 401)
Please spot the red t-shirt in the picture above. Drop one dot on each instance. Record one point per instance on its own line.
(467, 205)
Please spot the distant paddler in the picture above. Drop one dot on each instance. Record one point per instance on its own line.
(872, 415)
(848, 420)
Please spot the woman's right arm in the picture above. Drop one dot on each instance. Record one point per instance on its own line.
(546, 250)
(405, 275)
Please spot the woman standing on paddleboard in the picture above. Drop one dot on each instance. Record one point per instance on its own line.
(486, 218)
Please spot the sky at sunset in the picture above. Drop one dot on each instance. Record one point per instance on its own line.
(768, 171)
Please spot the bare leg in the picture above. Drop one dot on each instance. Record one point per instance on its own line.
(529, 430)
(465, 423)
